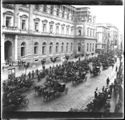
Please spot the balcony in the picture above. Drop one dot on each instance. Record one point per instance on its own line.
(10, 29)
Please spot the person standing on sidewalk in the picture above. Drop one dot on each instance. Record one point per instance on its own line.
(116, 69)
(107, 81)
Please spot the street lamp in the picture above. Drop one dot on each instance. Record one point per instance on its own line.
(11, 72)
(43, 61)
(26, 65)
(53, 60)
(67, 57)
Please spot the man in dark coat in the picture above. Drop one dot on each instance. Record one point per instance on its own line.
(108, 81)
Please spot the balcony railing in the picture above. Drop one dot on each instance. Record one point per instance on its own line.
(12, 29)
(9, 29)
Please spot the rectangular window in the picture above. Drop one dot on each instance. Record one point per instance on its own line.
(71, 31)
(87, 31)
(57, 12)
(87, 47)
(90, 47)
(51, 28)
(67, 15)
(44, 27)
(71, 46)
(8, 21)
(57, 29)
(63, 13)
(45, 8)
(35, 50)
(62, 48)
(72, 17)
(62, 29)
(36, 7)
(93, 33)
(93, 47)
(51, 10)
(23, 24)
(36, 26)
(90, 32)
(67, 31)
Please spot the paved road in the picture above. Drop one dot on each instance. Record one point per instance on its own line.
(77, 96)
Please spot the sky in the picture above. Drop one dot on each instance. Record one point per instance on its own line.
(108, 14)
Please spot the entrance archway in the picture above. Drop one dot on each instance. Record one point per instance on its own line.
(8, 50)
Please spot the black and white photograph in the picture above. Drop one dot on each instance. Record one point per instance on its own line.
(62, 60)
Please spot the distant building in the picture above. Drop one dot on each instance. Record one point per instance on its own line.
(107, 37)
(33, 32)
(102, 37)
(113, 36)
(85, 35)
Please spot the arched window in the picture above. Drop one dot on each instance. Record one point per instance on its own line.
(44, 48)
(79, 47)
(50, 48)
(23, 49)
(36, 48)
(62, 46)
(71, 46)
(57, 47)
(67, 47)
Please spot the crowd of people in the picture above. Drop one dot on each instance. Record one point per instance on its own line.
(101, 101)
(69, 71)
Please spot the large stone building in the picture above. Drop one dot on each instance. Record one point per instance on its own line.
(113, 36)
(33, 32)
(102, 37)
(107, 37)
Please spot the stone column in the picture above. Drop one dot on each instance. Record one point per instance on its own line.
(16, 16)
(16, 55)
(30, 20)
(2, 49)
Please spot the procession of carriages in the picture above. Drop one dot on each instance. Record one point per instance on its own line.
(56, 79)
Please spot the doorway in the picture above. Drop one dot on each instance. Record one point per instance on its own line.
(8, 50)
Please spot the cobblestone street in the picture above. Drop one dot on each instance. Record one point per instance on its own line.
(77, 96)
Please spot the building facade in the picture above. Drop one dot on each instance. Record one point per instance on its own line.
(107, 37)
(102, 37)
(33, 32)
(113, 36)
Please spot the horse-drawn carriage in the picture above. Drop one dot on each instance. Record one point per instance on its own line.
(13, 101)
(51, 93)
(96, 70)
(111, 61)
(105, 65)
(51, 90)
(79, 78)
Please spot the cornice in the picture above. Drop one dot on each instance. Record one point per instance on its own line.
(25, 34)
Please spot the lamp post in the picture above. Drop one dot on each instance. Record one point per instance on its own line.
(43, 61)
(53, 60)
(67, 57)
(11, 72)
(26, 65)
